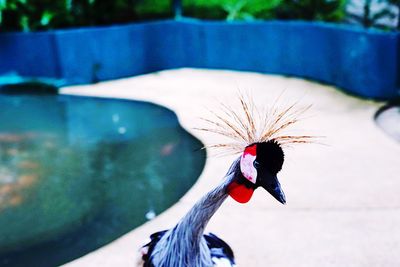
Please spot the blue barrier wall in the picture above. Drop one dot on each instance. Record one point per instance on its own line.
(362, 62)
(29, 54)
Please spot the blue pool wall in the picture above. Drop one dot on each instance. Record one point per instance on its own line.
(361, 62)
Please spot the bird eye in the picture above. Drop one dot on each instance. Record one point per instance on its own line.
(256, 164)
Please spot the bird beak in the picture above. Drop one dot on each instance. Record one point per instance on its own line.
(274, 188)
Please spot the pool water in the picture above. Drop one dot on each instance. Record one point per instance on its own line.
(77, 173)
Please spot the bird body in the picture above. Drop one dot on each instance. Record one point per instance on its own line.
(220, 252)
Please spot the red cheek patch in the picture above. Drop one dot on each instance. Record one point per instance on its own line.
(240, 192)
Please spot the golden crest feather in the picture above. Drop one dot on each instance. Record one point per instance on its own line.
(248, 124)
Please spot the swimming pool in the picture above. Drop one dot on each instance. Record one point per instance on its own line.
(78, 172)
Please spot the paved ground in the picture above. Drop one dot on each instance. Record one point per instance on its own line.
(343, 198)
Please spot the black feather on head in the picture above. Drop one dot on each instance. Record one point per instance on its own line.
(270, 156)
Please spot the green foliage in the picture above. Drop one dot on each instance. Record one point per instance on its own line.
(327, 10)
(29, 15)
(324, 10)
(204, 9)
(32, 15)
(230, 9)
(150, 9)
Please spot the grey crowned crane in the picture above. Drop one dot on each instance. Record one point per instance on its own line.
(262, 157)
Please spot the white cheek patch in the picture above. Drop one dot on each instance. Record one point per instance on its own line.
(247, 167)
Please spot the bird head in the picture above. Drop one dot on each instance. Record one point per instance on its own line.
(258, 135)
(258, 167)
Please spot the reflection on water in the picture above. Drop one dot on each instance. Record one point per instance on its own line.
(76, 173)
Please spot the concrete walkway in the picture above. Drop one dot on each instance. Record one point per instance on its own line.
(343, 198)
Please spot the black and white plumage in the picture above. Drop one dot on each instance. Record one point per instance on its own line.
(221, 252)
(261, 159)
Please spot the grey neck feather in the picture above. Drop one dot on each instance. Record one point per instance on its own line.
(184, 245)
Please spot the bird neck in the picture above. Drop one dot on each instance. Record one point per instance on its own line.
(184, 245)
(196, 220)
